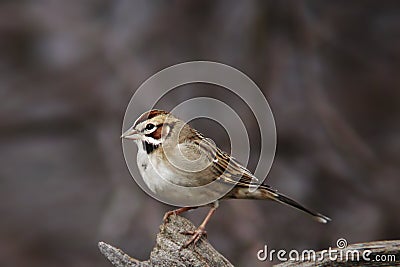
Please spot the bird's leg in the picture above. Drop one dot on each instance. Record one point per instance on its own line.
(201, 230)
(176, 212)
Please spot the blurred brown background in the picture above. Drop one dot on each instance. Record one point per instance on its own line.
(329, 69)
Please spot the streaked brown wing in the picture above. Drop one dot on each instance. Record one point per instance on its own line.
(226, 168)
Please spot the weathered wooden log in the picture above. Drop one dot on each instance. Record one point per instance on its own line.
(169, 251)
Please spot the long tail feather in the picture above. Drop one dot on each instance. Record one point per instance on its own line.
(265, 192)
(290, 202)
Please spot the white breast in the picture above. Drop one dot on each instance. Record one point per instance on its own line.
(163, 181)
(150, 171)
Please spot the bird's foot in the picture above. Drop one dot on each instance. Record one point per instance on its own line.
(167, 215)
(176, 212)
(196, 235)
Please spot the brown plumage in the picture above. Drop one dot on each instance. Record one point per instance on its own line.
(171, 148)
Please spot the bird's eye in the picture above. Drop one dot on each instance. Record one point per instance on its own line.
(150, 126)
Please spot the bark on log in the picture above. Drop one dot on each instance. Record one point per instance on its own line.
(169, 252)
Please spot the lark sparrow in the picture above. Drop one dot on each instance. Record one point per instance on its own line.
(173, 159)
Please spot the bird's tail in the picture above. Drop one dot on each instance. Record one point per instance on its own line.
(266, 192)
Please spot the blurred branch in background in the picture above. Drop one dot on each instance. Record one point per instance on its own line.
(380, 253)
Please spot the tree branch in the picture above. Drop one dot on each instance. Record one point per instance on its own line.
(169, 251)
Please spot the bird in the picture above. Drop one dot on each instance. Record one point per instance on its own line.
(177, 162)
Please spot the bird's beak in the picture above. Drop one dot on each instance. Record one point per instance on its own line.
(130, 134)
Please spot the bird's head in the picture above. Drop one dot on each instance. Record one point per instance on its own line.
(156, 127)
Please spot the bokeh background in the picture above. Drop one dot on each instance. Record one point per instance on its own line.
(329, 69)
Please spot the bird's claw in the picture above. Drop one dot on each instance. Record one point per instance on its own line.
(196, 235)
(167, 215)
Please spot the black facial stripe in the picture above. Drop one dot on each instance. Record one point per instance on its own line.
(155, 129)
(150, 126)
(149, 147)
(170, 125)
